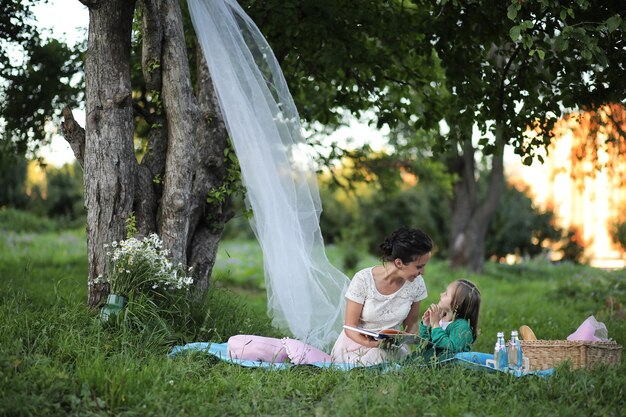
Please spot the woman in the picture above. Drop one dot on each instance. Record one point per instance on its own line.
(385, 296)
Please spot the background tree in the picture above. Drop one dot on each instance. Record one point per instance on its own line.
(511, 67)
(12, 180)
(529, 64)
(37, 76)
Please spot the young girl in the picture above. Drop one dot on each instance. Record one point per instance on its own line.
(385, 296)
(451, 325)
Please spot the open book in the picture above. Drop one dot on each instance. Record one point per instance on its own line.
(396, 337)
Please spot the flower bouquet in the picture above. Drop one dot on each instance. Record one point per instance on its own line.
(140, 267)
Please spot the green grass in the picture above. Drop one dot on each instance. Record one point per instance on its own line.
(57, 359)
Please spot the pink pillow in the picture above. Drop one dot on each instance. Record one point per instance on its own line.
(302, 354)
(256, 348)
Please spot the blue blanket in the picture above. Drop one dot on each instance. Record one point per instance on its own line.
(472, 360)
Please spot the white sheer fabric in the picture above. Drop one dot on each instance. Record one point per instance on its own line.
(305, 292)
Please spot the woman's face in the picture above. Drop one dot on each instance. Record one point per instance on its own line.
(415, 268)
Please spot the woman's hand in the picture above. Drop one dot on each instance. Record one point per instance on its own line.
(373, 342)
(353, 316)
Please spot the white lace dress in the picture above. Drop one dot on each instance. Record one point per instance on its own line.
(380, 312)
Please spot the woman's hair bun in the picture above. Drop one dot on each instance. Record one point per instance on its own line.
(406, 244)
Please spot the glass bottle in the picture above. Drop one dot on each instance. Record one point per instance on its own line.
(515, 351)
(500, 355)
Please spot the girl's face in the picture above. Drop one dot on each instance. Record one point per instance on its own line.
(445, 299)
(415, 268)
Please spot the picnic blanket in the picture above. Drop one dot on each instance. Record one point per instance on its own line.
(471, 360)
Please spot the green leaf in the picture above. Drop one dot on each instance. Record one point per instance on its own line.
(514, 33)
(511, 12)
(613, 23)
(528, 41)
(560, 44)
(541, 53)
(600, 56)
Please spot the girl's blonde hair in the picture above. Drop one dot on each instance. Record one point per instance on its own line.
(466, 303)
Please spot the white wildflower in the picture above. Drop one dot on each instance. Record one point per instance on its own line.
(136, 265)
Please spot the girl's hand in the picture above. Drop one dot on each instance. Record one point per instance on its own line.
(435, 315)
(426, 317)
(447, 315)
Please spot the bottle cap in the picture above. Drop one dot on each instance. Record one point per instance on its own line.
(500, 334)
(514, 333)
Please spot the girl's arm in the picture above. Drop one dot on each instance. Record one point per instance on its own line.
(353, 318)
(424, 331)
(425, 324)
(456, 338)
(411, 319)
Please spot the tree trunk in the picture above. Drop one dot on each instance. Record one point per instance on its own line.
(207, 218)
(183, 115)
(109, 161)
(471, 216)
(167, 191)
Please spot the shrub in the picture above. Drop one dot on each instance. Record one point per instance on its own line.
(618, 233)
(21, 221)
(518, 227)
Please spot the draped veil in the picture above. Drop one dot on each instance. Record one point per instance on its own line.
(305, 292)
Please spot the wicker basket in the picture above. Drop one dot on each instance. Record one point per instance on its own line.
(544, 354)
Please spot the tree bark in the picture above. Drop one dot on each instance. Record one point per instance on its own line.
(109, 161)
(183, 117)
(152, 168)
(208, 219)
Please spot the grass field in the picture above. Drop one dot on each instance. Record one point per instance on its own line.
(56, 358)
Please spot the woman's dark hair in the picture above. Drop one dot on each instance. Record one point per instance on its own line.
(466, 303)
(406, 244)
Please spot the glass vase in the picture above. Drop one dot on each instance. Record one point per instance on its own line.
(115, 304)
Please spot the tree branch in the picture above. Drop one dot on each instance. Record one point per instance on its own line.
(74, 134)
(91, 4)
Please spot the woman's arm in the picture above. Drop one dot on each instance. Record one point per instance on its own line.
(353, 318)
(411, 319)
